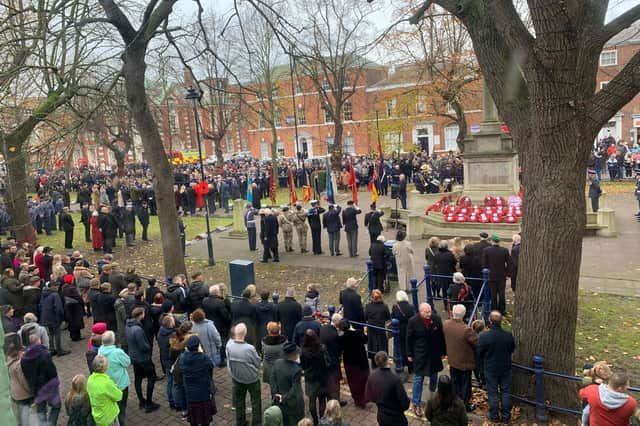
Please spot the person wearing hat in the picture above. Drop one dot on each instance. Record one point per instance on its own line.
(67, 225)
(197, 376)
(73, 307)
(479, 247)
(350, 222)
(331, 222)
(51, 317)
(129, 225)
(286, 386)
(594, 190)
(314, 223)
(286, 225)
(498, 260)
(299, 219)
(372, 222)
(308, 322)
(143, 217)
(250, 223)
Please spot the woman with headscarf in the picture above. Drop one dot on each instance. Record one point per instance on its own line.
(403, 252)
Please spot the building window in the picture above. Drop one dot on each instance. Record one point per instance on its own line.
(450, 136)
(421, 104)
(327, 115)
(280, 147)
(274, 93)
(345, 81)
(264, 150)
(393, 141)
(609, 58)
(450, 109)
(276, 117)
(261, 124)
(347, 112)
(330, 140)
(302, 117)
(349, 145)
(325, 85)
(391, 107)
(244, 144)
(299, 88)
(603, 84)
(228, 143)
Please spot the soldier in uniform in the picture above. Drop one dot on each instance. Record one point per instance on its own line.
(350, 222)
(300, 222)
(316, 228)
(286, 224)
(372, 222)
(250, 224)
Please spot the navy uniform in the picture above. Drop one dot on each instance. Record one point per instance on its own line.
(250, 224)
(331, 222)
(350, 222)
(143, 217)
(313, 215)
(372, 222)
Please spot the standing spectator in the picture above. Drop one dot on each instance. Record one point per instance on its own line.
(637, 192)
(140, 353)
(21, 394)
(461, 344)
(116, 279)
(15, 291)
(121, 318)
(42, 376)
(218, 309)
(152, 290)
(118, 364)
(444, 264)
(308, 322)
(73, 307)
(177, 293)
(166, 332)
(30, 327)
(313, 215)
(431, 250)
(197, 291)
(289, 313)
(499, 263)
(312, 297)
(209, 338)
(608, 403)
(350, 221)
(243, 311)
(52, 315)
(515, 258)
(272, 349)
(446, 408)
(269, 237)
(265, 313)
(356, 365)
(66, 222)
(403, 252)
(96, 234)
(177, 347)
(352, 302)
(103, 394)
(243, 363)
(197, 375)
(10, 324)
(129, 225)
(313, 362)
(376, 314)
(471, 267)
(286, 386)
(77, 404)
(106, 302)
(330, 338)
(331, 222)
(32, 293)
(94, 293)
(425, 348)
(250, 224)
(378, 255)
(403, 311)
(386, 390)
(594, 191)
(495, 348)
(85, 219)
(333, 415)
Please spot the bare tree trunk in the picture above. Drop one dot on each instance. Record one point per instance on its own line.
(336, 149)
(134, 74)
(16, 201)
(120, 156)
(217, 147)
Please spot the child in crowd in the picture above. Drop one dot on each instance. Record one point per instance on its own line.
(96, 342)
(312, 298)
(597, 373)
(77, 402)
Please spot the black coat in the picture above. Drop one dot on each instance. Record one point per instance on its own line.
(107, 224)
(286, 379)
(403, 312)
(353, 350)
(315, 369)
(143, 216)
(386, 390)
(31, 296)
(289, 313)
(38, 368)
(243, 311)
(498, 261)
(118, 283)
(66, 222)
(270, 232)
(331, 341)
(74, 311)
(314, 217)
(426, 346)
(129, 222)
(107, 309)
(495, 348)
(352, 305)
(378, 255)
(217, 310)
(376, 313)
(265, 313)
(372, 221)
(51, 309)
(350, 218)
(331, 220)
(471, 268)
(444, 263)
(197, 292)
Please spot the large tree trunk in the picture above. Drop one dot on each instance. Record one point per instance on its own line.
(120, 156)
(16, 186)
(217, 147)
(134, 74)
(336, 149)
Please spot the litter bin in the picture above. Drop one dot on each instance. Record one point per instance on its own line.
(241, 275)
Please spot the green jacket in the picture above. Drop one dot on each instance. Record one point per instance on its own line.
(285, 380)
(104, 396)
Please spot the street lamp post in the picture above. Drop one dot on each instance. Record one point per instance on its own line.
(194, 97)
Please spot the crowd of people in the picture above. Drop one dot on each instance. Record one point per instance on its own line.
(619, 159)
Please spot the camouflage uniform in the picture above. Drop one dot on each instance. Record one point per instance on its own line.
(300, 222)
(286, 224)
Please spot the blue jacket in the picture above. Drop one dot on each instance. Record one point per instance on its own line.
(51, 309)
(495, 349)
(197, 370)
(302, 327)
(164, 334)
(137, 341)
(119, 361)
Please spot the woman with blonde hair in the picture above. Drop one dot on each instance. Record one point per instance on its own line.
(57, 270)
(376, 313)
(77, 404)
(333, 415)
(431, 250)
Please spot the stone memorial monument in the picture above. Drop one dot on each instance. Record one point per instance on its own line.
(490, 159)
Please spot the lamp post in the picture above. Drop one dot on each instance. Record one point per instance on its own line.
(193, 96)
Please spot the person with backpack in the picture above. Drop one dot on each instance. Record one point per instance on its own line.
(460, 292)
(30, 327)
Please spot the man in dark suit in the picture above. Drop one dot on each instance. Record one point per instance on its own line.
(66, 222)
(479, 247)
(331, 222)
(402, 191)
(378, 255)
(352, 302)
(594, 191)
(350, 222)
(313, 215)
(372, 222)
(270, 237)
(499, 263)
(85, 218)
(143, 217)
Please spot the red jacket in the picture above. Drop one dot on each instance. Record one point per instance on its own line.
(606, 407)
